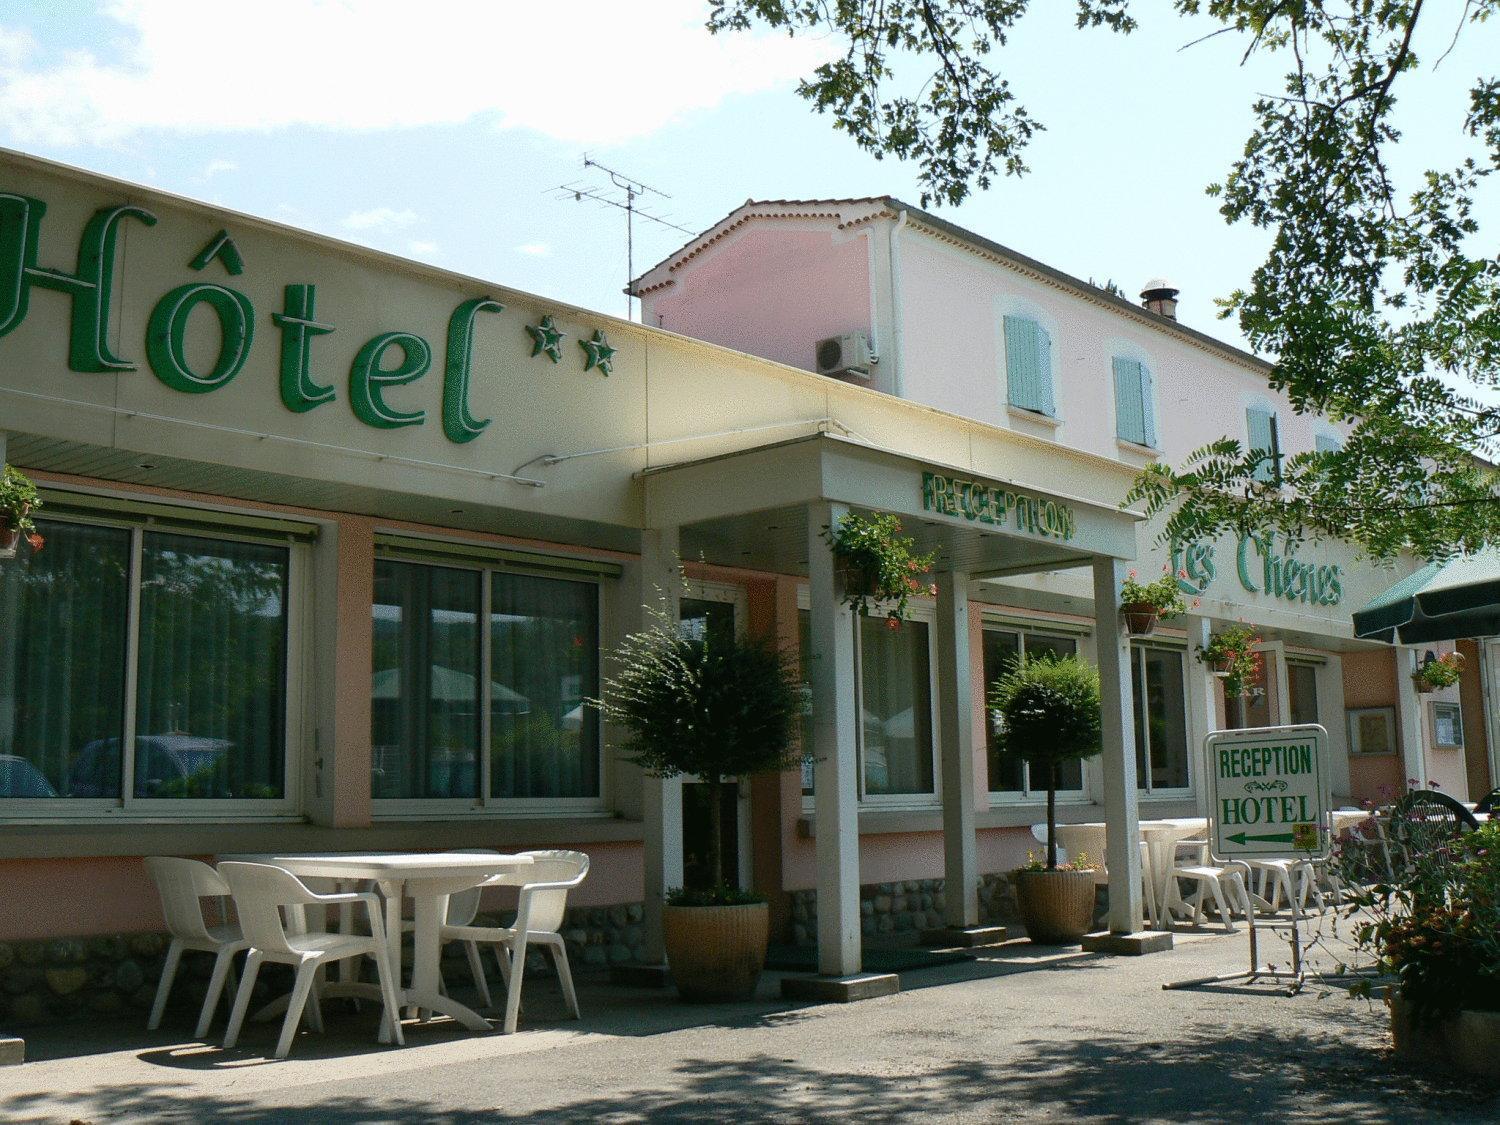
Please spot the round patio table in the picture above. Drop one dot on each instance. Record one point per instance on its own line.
(428, 879)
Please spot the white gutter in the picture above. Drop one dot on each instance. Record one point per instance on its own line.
(898, 381)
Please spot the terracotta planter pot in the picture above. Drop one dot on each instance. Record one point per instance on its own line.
(1468, 1042)
(1056, 907)
(716, 953)
(1140, 617)
(1423, 687)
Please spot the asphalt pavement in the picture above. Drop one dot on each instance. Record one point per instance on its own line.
(1021, 1033)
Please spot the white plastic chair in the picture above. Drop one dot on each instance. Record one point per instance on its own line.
(183, 885)
(1228, 886)
(1294, 878)
(260, 891)
(544, 884)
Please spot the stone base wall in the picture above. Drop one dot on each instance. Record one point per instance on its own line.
(898, 912)
(44, 982)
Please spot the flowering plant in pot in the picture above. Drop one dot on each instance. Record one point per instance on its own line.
(1144, 603)
(1438, 672)
(1231, 655)
(1433, 925)
(1048, 709)
(878, 565)
(716, 707)
(18, 499)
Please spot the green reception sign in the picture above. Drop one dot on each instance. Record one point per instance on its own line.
(1268, 793)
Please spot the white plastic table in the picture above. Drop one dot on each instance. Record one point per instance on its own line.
(428, 879)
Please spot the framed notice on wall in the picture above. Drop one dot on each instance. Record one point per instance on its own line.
(1372, 730)
(1447, 726)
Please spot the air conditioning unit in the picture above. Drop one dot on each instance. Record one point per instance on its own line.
(846, 357)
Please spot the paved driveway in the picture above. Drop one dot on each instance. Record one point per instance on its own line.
(1019, 1034)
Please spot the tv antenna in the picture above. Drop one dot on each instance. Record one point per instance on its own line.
(623, 194)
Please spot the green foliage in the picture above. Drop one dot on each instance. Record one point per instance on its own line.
(1231, 650)
(18, 499)
(1378, 299)
(1080, 862)
(881, 563)
(717, 706)
(1164, 593)
(1049, 710)
(721, 895)
(1435, 925)
(1443, 672)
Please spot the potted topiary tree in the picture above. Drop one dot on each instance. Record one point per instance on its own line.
(715, 707)
(1048, 709)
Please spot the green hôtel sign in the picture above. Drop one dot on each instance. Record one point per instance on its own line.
(983, 503)
(1261, 570)
(382, 363)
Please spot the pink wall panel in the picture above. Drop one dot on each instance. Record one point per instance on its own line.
(774, 291)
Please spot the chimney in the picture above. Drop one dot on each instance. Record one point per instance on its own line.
(1160, 298)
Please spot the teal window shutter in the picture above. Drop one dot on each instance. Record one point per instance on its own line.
(1028, 365)
(1260, 425)
(1148, 406)
(1327, 443)
(1131, 408)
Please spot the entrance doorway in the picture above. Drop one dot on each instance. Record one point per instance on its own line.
(714, 610)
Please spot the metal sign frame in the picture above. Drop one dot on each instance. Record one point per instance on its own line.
(1284, 838)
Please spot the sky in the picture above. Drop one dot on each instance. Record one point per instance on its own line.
(441, 130)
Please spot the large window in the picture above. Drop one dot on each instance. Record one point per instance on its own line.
(895, 701)
(443, 685)
(181, 698)
(1161, 737)
(1002, 649)
(895, 708)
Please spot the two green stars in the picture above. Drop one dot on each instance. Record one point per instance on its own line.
(546, 339)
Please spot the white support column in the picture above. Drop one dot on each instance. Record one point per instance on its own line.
(1121, 815)
(1409, 716)
(661, 798)
(1203, 707)
(2, 447)
(835, 774)
(1330, 683)
(956, 743)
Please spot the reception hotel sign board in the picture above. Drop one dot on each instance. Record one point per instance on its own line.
(1268, 793)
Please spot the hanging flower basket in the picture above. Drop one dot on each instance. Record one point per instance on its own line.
(1439, 673)
(1145, 603)
(1230, 655)
(18, 499)
(877, 566)
(1140, 617)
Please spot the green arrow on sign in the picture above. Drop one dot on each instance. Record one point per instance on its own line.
(1275, 838)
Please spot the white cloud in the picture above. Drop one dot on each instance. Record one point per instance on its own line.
(535, 249)
(381, 219)
(421, 249)
(583, 71)
(215, 167)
